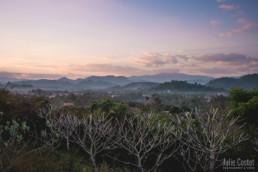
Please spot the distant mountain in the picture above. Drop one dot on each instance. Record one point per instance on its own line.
(48, 84)
(64, 79)
(101, 82)
(116, 80)
(92, 84)
(11, 77)
(183, 86)
(18, 86)
(147, 82)
(247, 81)
(4, 79)
(166, 77)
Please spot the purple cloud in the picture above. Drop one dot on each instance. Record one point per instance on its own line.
(155, 59)
(244, 29)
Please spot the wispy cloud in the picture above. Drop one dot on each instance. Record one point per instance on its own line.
(155, 59)
(215, 22)
(221, 0)
(222, 34)
(218, 64)
(108, 58)
(220, 57)
(242, 20)
(216, 70)
(105, 69)
(229, 7)
(6, 75)
(244, 29)
(215, 64)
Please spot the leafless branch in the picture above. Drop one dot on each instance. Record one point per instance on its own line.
(206, 136)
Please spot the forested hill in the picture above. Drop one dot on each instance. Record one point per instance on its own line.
(184, 86)
(247, 82)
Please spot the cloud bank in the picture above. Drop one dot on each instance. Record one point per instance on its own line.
(229, 7)
(155, 59)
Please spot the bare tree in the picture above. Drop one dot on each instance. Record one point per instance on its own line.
(59, 123)
(206, 136)
(93, 133)
(144, 135)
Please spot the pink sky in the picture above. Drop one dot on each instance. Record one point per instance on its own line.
(80, 38)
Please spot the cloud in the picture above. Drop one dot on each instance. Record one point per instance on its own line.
(242, 20)
(105, 69)
(108, 69)
(108, 58)
(232, 60)
(215, 22)
(221, 34)
(229, 34)
(220, 57)
(216, 70)
(7, 75)
(221, 0)
(229, 7)
(183, 57)
(155, 59)
(214, 64)
(244, 29)
(223, 64)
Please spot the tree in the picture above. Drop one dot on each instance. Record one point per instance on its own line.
(17, 140)
(245, 105)
(93, 133)
(113, 109)
(206, 136)
(145, 137)
(219, 101)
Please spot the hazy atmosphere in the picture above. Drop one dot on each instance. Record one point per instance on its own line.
(128, 85)
(80, 38)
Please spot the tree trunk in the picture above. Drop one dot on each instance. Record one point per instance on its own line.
(93, 161)
(140, 163)
(67, 144)
(212, 161)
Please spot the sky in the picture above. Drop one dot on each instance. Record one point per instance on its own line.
(80, 38)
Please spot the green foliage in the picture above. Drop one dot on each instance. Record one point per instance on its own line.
(25, 108)
(219, 101)
(176, 86)
(107, 106)
(245, 105)
(18, 114)
(12, 133)
(57, 161)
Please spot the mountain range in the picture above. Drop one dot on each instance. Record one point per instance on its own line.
(166, 77)
(249, 81)
(135, 82)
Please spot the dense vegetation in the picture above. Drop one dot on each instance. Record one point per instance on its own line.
(159, 133)
(248, 82)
